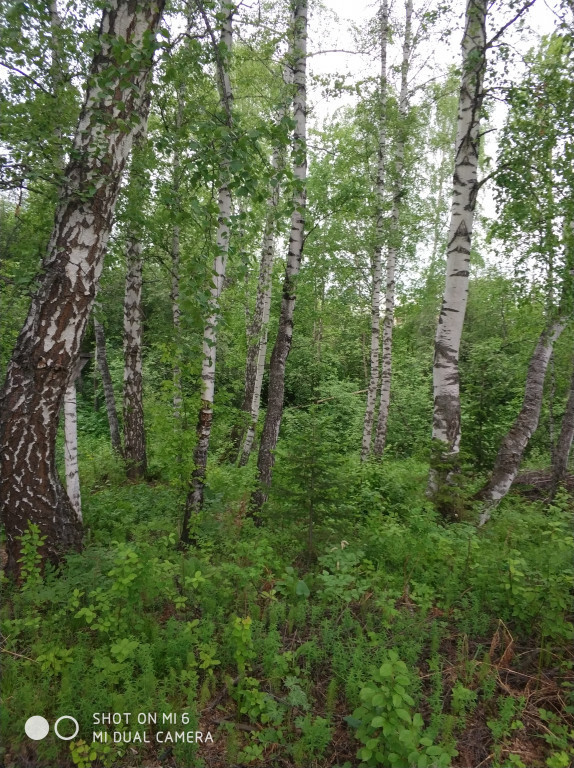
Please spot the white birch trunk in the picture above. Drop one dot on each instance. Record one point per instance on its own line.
(257, 332)
(512, 448)
(109, 396)
(446, 416)
(71, 449)
(134, 428)
(48, 345)
(274, 414)
(195, 496)
(563, 447)
(377, 255)
(398, 187)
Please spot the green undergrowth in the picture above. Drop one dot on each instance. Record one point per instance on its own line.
(390, 639)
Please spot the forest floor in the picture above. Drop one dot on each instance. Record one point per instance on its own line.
(396, 640)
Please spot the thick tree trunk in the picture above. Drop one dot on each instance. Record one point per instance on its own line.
(377, 267)
(282, 346)
(398, 187)
(109, 396)
(134, 428)
(512, 448)
(563, 446)
(194, 500)
(446, 416)
(49, 343)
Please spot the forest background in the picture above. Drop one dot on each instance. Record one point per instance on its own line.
(288, 404)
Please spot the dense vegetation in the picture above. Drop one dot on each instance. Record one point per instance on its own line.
(356, 593)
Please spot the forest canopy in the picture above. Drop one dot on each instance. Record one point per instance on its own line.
(287, 405)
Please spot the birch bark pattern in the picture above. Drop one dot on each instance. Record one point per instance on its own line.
(49, 343)
(564, 444)
(257, 332)
(194, 500)
(398, 187)
(377, 254)
(109, 396)
(71, 449)
(446, 415)
(270, 433)
(510, 453)
(134, 428)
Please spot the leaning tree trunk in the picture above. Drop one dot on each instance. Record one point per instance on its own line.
(282, 346)
(446, 415)
(377, 260)
(194, 500)
(109, 396)
(510, 453)
(135, 453)
(562, 448)
(49, 343)
(398, 187)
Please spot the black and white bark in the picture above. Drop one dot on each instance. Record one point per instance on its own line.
(398, 191)
(282, 346)
(446, 415)
(135, 453)
(257, 331)
(512, 448)
(563, 446)
(72, 468)
(48, 345)
(109, 395)
(194, 500)
(377, 266)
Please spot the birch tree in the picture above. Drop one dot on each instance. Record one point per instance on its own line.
(49, 342)
(109, 396)
(398, 190)
(284, 338)
(563, 446)
(257, 331)
(536, 190)
(134, 427)
(446, 414)
(511, 451)
(377, 255)
(222, 52)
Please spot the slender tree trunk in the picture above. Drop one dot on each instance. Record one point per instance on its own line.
(512, 448)
(257, 332)
(49, 343)
(563, 446)
(71, 449)
(134, 427)
(446, 416)
(195, 496)
(284, 338)
(175, 265)
(377, 255)
(109, 396)
(398, 187)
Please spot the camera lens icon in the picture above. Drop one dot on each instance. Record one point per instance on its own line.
(37, 727)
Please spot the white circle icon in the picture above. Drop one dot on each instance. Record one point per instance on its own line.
(66, 717)
(37, 727)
